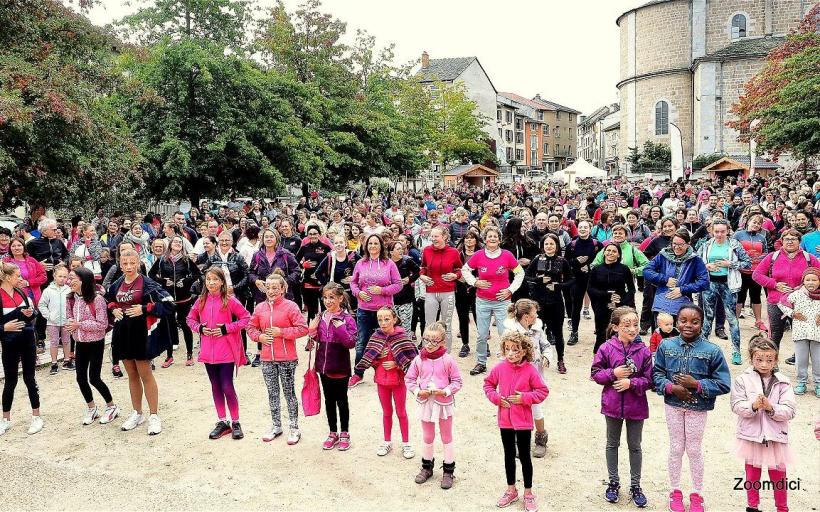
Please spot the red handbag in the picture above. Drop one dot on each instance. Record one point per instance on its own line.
(311, 392)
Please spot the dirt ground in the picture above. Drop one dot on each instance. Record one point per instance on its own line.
(71, 467)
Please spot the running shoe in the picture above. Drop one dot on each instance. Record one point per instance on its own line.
(562, 368)
(189, 361)
(135, 420)
(5, 425)
(54, 369)
(168, 362)
(236, 431)
(613, 492)
(354, 381)
(407, 451)
(530, 505)
(331, 441)
(695, 502)
(90, 415)
(676, 501)
(154, 425)
(116, 371)
(478, 368)
(36, 425)
(508, 498)
(221, 429)
(384, 449)
(109, 414)
(344, 442)
(256, 362)
(68, 364)
(294, 436)
(761, 326)
(737, 358)
(465, 351)
(638, 497)
(790, 360)
(272, 434)
(585, 313)
(573, 338)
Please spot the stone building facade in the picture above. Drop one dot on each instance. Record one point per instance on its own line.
(685, 62)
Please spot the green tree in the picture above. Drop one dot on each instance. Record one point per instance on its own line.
(656, 157)
(61, 141)
(702, 161)
(785, 96)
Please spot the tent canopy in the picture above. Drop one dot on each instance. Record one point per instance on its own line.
(581, 169)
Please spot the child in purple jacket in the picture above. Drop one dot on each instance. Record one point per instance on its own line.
(334, 333)
(623, 366)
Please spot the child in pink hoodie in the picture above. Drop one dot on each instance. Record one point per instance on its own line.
(434, 379)
(763, 400)
(219, 318)
(276, 323)
(514, 385)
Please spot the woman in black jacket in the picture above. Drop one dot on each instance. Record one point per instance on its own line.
(610, 285)
(580, 254)
(548, 275)
(521, 246)
(669, 225)
(309, 255)
(175, 272)
(465, 294)
(409, 272)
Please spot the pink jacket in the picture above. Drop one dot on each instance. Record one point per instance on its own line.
(441, 373)
(228, 347)
(286, 315)
(785, 270)
(506, 379)
(93, 320)
(759, 426)
(35, 272)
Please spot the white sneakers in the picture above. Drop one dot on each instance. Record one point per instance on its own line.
(36, 425)
(5, 425)
(136, 419)
(294, 436)
(272, 434)
(384, 449)
(407, 451)
(154, 425)
(90, 415)
(109, 414)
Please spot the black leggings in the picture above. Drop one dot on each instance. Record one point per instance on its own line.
(578, 292)
(179, 321)
(553, 317)
(22, 348)
(509, 438)
(311, 297)
(602, 316)
(335, 391)
(647, 317)
(89, 357)
(465, 303)
(418, 315)
(750, 286)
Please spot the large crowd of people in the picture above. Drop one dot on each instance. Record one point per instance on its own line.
(383, 274)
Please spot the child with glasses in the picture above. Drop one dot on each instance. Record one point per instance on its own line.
(434, 379)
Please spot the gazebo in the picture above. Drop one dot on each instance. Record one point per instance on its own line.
(471, 174)
(739, 166)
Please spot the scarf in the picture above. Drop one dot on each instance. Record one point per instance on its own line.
(426, 354)
(674, 258)
(815, 295)
(175, 258)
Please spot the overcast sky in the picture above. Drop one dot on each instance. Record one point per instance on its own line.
(566, 50)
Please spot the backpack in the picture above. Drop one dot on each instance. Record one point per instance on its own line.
(776, 254)
(93, 308)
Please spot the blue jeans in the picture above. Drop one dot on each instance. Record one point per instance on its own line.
(366, 324)
(484, 310)
(729, 299)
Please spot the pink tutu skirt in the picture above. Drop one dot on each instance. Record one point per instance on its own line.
(773, 455)
(432, 411)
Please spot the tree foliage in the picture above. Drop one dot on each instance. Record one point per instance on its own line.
(702, 161)
(656, 158)
(785, 96)
(62, 142)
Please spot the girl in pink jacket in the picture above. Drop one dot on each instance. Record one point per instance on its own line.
(764, 402)
(276, 323)
(514, 385)
(219, 318)
(434, 379)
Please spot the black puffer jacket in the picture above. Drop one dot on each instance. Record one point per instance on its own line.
(557, 269)
(236, 267)
(182, 274)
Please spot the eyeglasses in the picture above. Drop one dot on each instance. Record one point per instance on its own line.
(679, 244)
(791, 239)
(432, 341)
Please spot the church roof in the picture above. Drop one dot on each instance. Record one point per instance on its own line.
(647, 4)
(445, 70)
(745, 48)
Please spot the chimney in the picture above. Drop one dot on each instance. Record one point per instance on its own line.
(425, 60)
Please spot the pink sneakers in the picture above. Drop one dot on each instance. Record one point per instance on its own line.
(331, 441)
(695, 502)
(508, 498)
(530, 505)
(676, 501)
(354, 381)
(761, 326)
(344, 442)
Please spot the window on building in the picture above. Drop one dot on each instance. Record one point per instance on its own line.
(508, 116)
(661, 118)
(571, 117)
(509, 154)
(569, 133)
(533, 126)
(540, 115)
(498, 115)
(519, 137)
(508, 135)
(557, 149)
(534, 156)
(557, 132)
(557, 114)
(546, 130)
(738, 26)
(519, 154)
(546, 149)
(518, 124)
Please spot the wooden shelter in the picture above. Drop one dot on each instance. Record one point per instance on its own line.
(738, 166)
(471, 174)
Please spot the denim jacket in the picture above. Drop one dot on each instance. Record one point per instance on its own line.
(702, 360)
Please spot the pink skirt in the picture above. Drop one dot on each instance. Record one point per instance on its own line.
(432, 411)
(773, 455)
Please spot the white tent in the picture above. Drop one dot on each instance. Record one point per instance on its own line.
(579, 170)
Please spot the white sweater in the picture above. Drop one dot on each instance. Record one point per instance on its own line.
(53, 304)
(803, 329)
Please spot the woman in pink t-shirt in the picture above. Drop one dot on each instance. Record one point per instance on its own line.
(493, 289)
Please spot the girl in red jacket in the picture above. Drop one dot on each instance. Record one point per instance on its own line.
(514, 386)
(276, 323)
(219, 318)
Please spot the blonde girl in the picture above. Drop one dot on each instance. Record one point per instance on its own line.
(763, 400)
(434, 379)
(803, 305)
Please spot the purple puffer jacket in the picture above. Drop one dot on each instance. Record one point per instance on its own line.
(333, 343)
(630, 404)
(260, 269)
